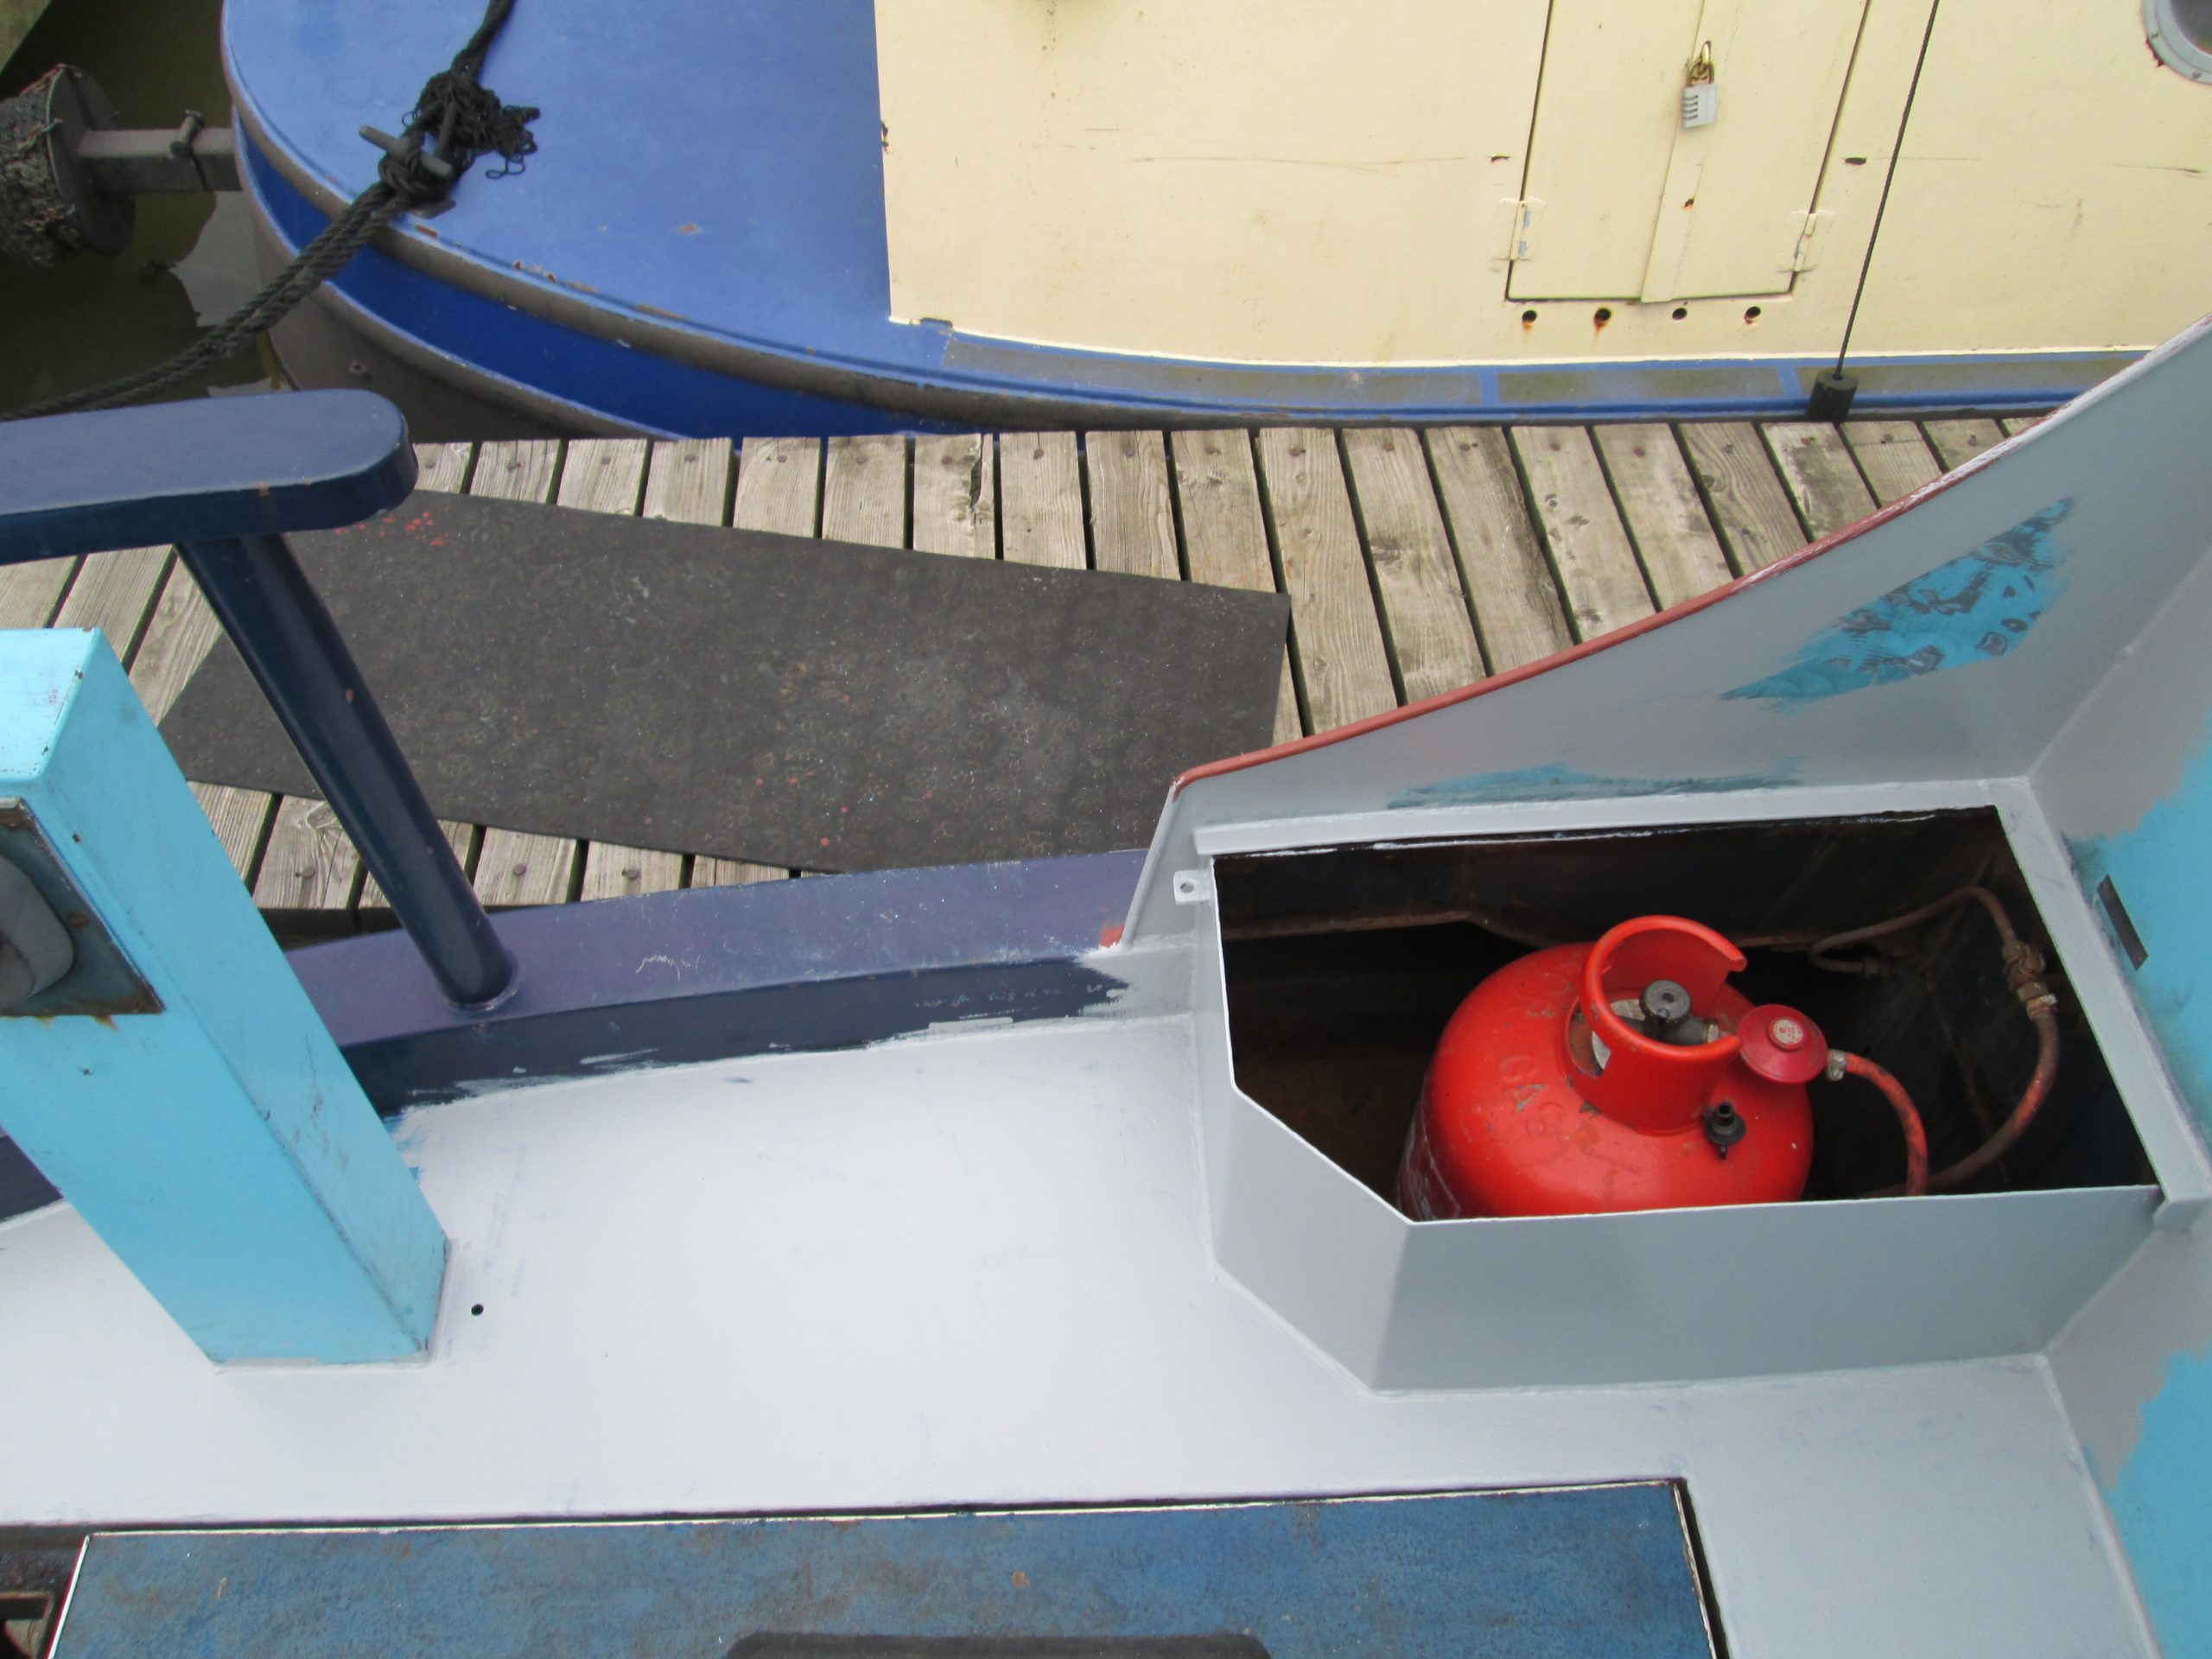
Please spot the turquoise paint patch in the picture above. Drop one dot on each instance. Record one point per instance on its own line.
(1558, 783)
(2163, 1507)
(1977, 606)
(2161, 875)
(2162, 1502)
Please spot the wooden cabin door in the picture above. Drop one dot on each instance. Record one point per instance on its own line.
(1624, 202)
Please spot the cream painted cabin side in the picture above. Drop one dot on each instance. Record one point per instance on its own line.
(1428, 182)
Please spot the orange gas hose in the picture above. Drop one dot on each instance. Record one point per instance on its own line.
(2023, 1114)
(1915, 1136)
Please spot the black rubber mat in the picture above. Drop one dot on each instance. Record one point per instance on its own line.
(795, 702)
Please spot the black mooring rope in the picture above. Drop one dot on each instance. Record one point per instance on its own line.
(454, 121)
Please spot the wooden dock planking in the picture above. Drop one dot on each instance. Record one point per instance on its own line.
(1040, 500)
(864, 491)
(1132, 506)
(1956, 442)
(1822, 478)
(309, 871)
(30, 594)
(1414, 562)
(779, 488)
(1501, 558)
(1664, 511)
(1426, 622)
(1748, 506)
(1893, 456)
(1336, 649)
(956, 496)
(1590, 551)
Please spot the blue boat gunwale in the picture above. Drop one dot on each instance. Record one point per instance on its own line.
(963, 381)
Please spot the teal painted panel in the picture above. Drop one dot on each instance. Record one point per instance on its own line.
(2162, 872)
(221, 1148)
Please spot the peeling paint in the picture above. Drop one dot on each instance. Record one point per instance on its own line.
(1977, 606)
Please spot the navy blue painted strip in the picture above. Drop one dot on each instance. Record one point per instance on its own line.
(1590, 1572)
(835, 962)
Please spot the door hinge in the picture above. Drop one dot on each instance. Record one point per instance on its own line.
(1806, 250)
(1521, 243)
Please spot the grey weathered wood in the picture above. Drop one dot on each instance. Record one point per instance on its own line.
(1336, 638)
(615, 872)
(731, 872)
(1751, 509)
(1431, 636)
(309, 863)
(442, 466)
(1040, 500)
(1818, 471)
(239, 819)
(1665, 516)
(604, 475)
(517, 469)
(177, 637)
(1517, 602)
(30, 594)
(1132, 510)
(955, 496)
(1226, 535)
(115, 592)
(2016, 424)
(689, 479)
(1590, 549)
(512, 867)
(864, 491)
(778, 487)
(1894, 457)
(1956, 442)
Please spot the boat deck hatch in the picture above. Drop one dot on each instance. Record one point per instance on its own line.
(1548, 1573)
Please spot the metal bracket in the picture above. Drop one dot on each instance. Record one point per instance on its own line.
(101, 982)
(1193, 887)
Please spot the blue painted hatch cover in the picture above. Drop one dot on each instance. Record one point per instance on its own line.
(1590, 1573)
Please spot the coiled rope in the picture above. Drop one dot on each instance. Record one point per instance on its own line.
(455, 119)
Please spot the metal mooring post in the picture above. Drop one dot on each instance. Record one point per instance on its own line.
(280, 627)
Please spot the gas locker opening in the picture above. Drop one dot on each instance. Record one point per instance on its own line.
(1898, 960)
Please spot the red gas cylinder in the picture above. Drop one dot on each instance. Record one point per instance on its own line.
(1624, 1075)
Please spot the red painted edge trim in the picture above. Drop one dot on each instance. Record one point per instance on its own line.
(1620, 635)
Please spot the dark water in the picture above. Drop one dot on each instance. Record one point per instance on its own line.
(87, 318)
